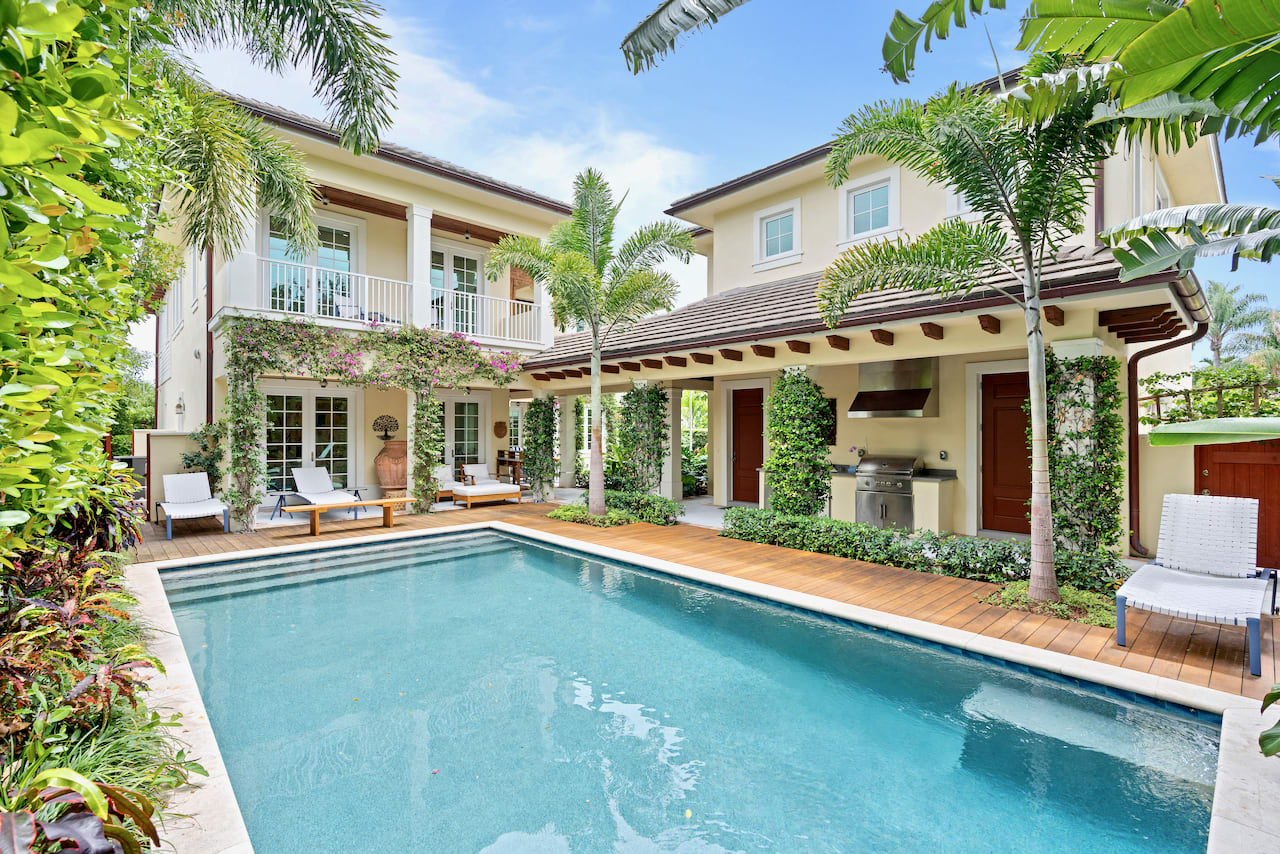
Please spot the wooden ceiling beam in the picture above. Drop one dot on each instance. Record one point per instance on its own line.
(1054, 314)
(676, 361)
(763, 350)
(656, 364)
(326, 196)
(989, 323)
(1116, 316)
(1139, 325)
(572, 372)
(702, 358)
(932, 330)
(609, 369)
(798, 346)
(838, 342)
(556, 375)
(630, 366)
(542, 378)
(882, 336)
(731, 355)
(457, 226)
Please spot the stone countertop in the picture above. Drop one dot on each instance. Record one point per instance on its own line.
(930, 475)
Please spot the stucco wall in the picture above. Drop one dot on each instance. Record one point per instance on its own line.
(1162, 471)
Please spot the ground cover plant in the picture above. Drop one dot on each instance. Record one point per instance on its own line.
(583, 516)
(643, 506)
(1082, 606)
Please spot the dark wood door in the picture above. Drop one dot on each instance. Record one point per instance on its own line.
(1247, 470)
(748, 444)
(1006, 457)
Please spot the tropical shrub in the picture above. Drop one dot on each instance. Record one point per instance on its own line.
(799, 422)
(962, 557)
(134, 404)
(539, 436)
(693, 473)
(210, 452)
(1236, 390)
(581, 515)
(1083, 606)
(644, 506)
(1086, 452)
(642, 437)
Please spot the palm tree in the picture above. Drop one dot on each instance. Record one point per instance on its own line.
(657, 33)
(594, 285)
(1029, 186)
(232, 162)
(1234, 317)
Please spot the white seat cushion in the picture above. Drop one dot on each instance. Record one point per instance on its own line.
(187, 488)
(337, 496)
(312, 481)
(479, 472)
(193, 509)
(1196, 595)
(483, 489)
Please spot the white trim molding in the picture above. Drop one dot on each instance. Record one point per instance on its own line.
(782, 259)
(890, 177)
(973, 374)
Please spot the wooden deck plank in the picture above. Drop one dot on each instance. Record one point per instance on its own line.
(1200, 654)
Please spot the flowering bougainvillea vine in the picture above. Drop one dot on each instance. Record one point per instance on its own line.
(410, 358)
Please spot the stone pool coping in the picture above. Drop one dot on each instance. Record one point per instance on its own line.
(1243, 810)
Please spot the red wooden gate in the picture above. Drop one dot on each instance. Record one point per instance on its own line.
(1247, 470)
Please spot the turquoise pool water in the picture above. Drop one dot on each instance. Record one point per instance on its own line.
(482, 693)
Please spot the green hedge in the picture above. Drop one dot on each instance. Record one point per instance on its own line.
(582, 516)
(644, 506)
(962, 557)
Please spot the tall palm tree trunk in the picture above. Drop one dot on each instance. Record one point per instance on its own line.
(595, 482)
(1215, 348)
(1044, 581)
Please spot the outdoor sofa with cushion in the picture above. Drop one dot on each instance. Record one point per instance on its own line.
(187, 496)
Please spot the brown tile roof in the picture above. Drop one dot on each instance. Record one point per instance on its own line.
(400, 154)
(790, 307)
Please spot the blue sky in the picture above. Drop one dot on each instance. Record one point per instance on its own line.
(534, 90)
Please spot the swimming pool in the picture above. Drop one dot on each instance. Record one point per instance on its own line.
(483, 693)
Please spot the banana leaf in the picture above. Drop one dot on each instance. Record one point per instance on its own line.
(1215, 431)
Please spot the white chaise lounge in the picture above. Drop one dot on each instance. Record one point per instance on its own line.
(315, 486)
(445, 484)
(482, 486)
(1205, 569)
(188, 497)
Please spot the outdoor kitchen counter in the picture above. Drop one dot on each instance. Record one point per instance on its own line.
(932, 492)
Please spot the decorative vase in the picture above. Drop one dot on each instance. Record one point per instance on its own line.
(392, 464)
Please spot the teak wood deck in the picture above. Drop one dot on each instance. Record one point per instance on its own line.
(1197, 653)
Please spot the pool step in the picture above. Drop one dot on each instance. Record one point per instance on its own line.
(185, 586)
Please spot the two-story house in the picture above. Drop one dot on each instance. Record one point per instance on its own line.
(909, 374)
(403, 239)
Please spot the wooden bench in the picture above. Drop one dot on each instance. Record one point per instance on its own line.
(387, 504)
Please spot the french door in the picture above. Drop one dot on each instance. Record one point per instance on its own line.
(455, 289)
(334, 261)
(463, 437)
(310, 428)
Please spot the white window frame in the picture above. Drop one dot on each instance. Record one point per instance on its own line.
(958, 210)
(763, 262)
(485, 428)
(355, 225)
(892, 177)
(450, 249)
(1162, 190)
(175, 303)
(355, 412)
(1137, 178)
(198, 279)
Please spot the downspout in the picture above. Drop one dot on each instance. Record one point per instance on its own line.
(1135, 543)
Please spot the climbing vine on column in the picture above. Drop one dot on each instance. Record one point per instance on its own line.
(416, 360)
(799, 423)
(539, 438)
(642, 436)
(1086, 454)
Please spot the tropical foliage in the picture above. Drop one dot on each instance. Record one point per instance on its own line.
(415, 359)
(642, 506)
(594, 283)
(210, 453)
(642, 437)
(1028, 186)
(134, 405)
(1234, 317)
(656, 35)
(1236, 390)
(798, 424)
(581, 515)
(538, 432)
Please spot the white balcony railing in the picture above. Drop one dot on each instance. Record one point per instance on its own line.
(309, 291)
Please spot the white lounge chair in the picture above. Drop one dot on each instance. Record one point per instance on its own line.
(476, 474)
(1205, 569)
(482, 486)
(445, 483)
(188, 497)
(315, 486)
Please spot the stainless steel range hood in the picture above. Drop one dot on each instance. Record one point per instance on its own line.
(905, 388)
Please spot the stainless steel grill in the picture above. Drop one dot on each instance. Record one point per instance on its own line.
(884, 492)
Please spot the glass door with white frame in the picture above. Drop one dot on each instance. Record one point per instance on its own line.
(334, 282)
(307, 429)
(466, 432)
(466, 284)
(286, 275)
(333, 264)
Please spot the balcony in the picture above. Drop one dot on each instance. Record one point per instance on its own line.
(357, 299)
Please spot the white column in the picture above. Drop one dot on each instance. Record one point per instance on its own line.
(568, 435)
(672, 484)
(418, 263)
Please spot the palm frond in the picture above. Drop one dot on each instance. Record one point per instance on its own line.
(594, 214)
(284, 187)
(1241, 231)
(656, 35)
(891, 129)
(637, 294)
(899, 50)
(649, 246)
(575, 289)
(352, 67)
(947, 259)
(518, 250)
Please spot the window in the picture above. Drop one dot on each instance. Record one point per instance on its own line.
(777, 240)
(869, 206)
(1163, 198)
(513, 416)
(198, 279)
(1137, 178)
(779, 235)
(455, 288)
(175, 304)
(869, 210)
(466, 432)
(337, 257)
(957, 203)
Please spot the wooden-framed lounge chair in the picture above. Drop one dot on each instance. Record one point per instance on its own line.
(188, 497)
(1205, 569)
(314, 486)
(445, 483)
(482, 486)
